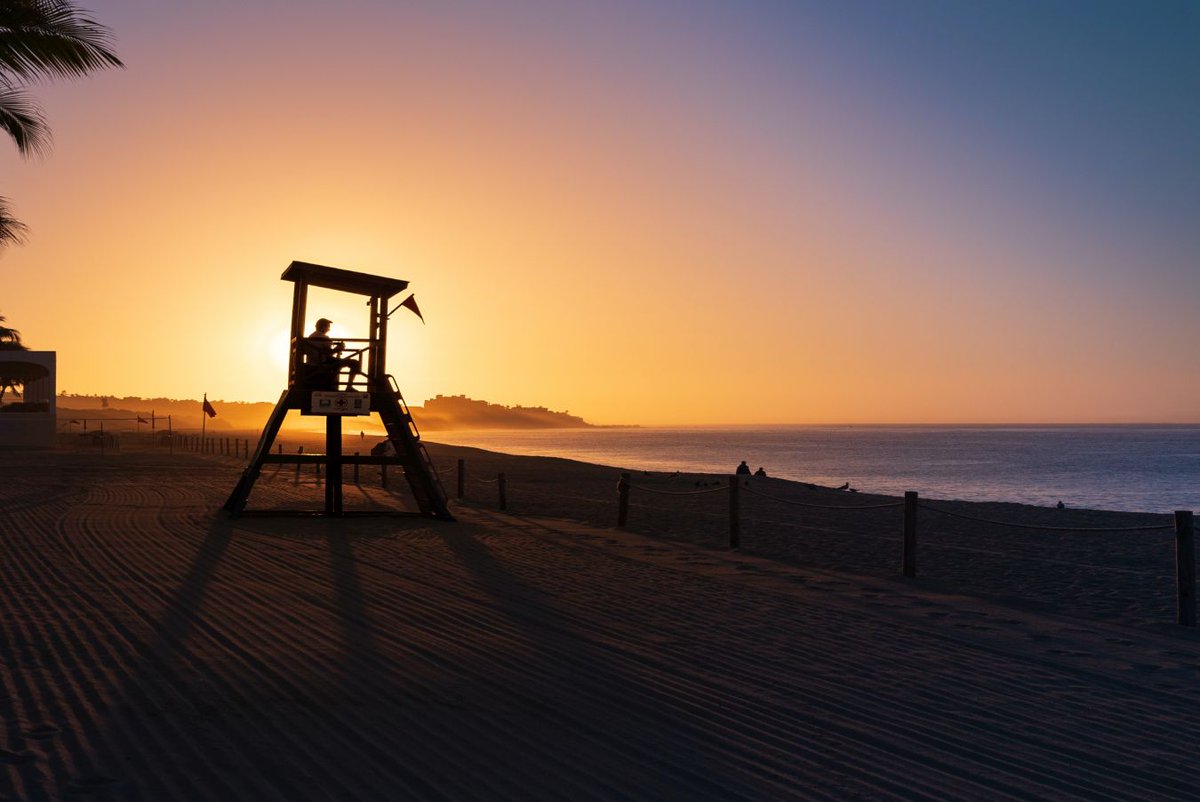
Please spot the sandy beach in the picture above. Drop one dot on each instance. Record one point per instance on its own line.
(154, 649)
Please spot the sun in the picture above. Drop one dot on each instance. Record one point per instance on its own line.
(276, 349)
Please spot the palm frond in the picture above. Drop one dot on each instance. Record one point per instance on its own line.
(7, 335)
(12, 232)
(52, 39)
(21, 119)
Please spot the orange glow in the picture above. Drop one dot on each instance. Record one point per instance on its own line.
(591, 236)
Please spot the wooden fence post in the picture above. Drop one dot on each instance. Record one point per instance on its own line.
(462, 477)
(623, 500)
(1185, 567)
(299, 450)
(735, 528)
(908, 554)
(502, 484)
(355, 467)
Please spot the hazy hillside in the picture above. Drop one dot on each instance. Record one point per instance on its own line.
(440, 412)
(460, 412)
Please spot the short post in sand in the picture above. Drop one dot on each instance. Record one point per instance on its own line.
(623, 500)
(735, 527)
(908, 555)
(1185, 567)
(502, 485)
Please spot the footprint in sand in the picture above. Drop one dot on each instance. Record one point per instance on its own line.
(22, 758)
(92, 784)
(42, 732)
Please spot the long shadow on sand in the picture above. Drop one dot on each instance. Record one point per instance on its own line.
(357, 630)
(587, 682)
(183, 611)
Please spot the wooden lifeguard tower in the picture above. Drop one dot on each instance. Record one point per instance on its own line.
(356, 383)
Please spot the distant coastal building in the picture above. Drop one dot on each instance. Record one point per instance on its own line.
(28, 420)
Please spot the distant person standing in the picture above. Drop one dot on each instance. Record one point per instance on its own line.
(743, 469)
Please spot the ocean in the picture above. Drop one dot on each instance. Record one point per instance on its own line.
(1145, 468)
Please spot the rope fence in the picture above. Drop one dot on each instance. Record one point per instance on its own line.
(1185, 560)
(1043, 528)
(794, 503)
(677, 492)
(1183, 524)
(735, 486)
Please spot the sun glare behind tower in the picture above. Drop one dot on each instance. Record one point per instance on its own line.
(351, 381)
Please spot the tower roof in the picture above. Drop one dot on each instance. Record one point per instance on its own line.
(334, 278)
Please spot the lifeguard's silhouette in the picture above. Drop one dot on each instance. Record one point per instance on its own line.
(318, 385)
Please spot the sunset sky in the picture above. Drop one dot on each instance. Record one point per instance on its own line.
(640, 212)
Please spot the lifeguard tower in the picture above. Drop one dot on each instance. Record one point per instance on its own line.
(355, 383)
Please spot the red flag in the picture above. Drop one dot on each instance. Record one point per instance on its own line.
(208, 409)
(411, 303)
(141, 419)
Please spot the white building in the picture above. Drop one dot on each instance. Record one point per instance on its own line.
(29, 421)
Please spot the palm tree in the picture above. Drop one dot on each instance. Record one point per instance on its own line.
(40, 40)
(10, 339)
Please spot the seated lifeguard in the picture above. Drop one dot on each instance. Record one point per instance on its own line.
(324, 355)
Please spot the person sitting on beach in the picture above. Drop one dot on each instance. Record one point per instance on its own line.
(760, 471)
(328, 352)
(743, 469)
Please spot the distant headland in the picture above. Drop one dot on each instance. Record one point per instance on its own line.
(442, 412)
(460, 412)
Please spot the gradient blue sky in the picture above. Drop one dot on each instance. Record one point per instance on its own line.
(641, 212)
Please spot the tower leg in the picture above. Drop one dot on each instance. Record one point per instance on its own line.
(418, 469)
(333, 465)
(237, 499)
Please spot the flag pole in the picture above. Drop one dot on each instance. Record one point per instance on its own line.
(204, 418)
